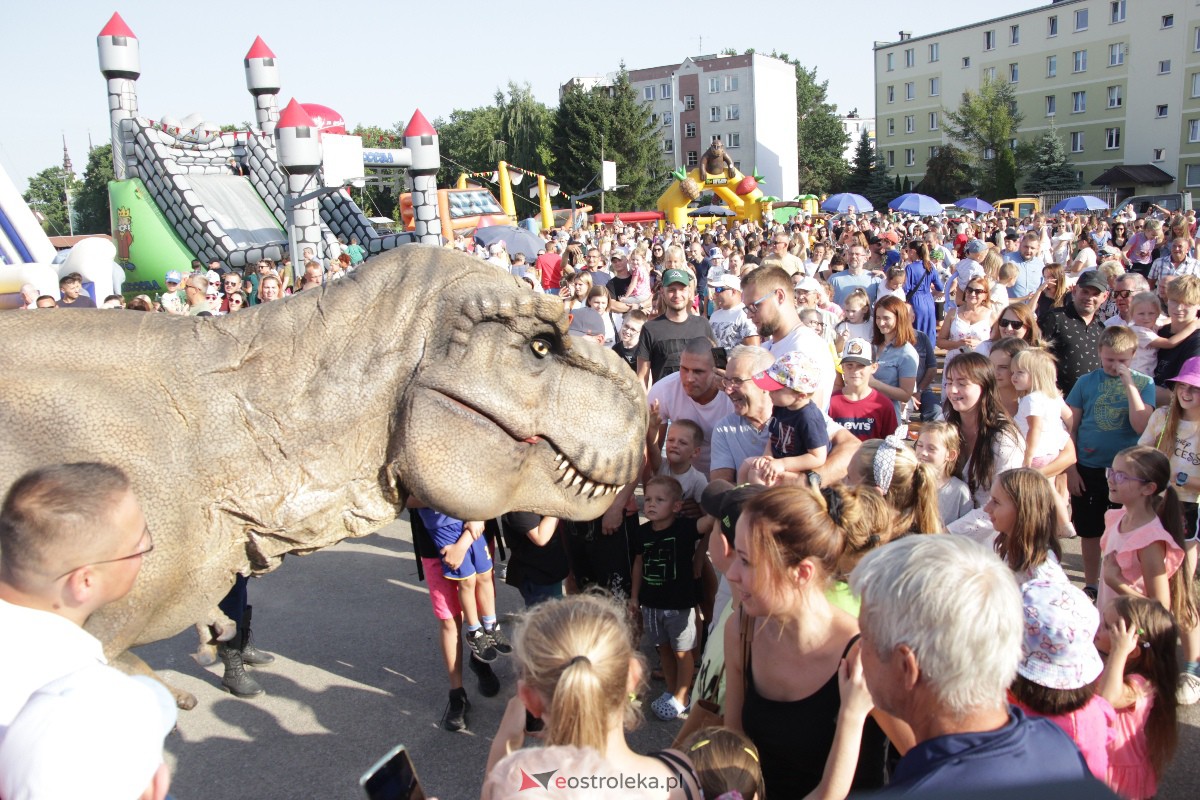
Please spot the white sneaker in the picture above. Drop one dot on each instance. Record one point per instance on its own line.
(1188, 691)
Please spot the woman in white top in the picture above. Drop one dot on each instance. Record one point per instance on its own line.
(967, 325)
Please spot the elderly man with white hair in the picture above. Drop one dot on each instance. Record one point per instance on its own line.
(941, 624)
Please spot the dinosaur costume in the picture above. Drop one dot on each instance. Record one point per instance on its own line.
(287, 427)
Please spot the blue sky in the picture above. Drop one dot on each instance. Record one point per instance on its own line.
(375, 64)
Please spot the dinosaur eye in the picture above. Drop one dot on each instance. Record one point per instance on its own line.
(540, 347)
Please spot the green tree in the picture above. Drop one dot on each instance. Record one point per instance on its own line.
(91, 203)
(820, 138)
(615, 121)
(527, 127)
(379, 198)
(984, 126)
(1050, 168)
(467, 141)
(947, 175)
(859, 175)
(880, 188)
(46, 195)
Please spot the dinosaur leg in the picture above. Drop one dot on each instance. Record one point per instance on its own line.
(130, 664)
(219, 628)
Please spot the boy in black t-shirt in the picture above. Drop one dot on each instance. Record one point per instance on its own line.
(628, 337)
(799, 440)
(538, 564)
(665, 588)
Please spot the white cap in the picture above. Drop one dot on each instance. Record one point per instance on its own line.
(95, 733)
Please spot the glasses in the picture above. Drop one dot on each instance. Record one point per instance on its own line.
(1117, 476)
(734, 383)
(975, 290)
(1012, 324)
(752, 308)
(1123, 293)
(816, 325)
(138, 554)
(719, 289)
(777, 243)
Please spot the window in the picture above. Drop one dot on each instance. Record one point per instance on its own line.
(1078, 102)
(1076, 141)
(731, 83)
(1164, 67)
(1014, 73)
(689, 130)
(692, 158)
(891, 94)
(1051, 66)
(1192, 176)
(1114, 97)
(933, 120)
(934, 52)
(654, 119)
(1079, 176)
(910, 123)
(1081, 20)
(989, 74)
(647, 92)
(910, 57)
(668, 145)
(910, 90)
(1051, 105)
(989, 40)
(934, 150)
(935, 87)
(738, 166)
(689, 102)
(967, 59)
(1079, 59)
(989, 153)
(1160, 111)
(714, 85)
(1118, 11)
(1112, 138)
(716, 137)
(1051, 26)
(1014, 34)
(891, 127)
(714, 114)
(735, 140)
(668, 118)
(1194, 130)
(891, 158)
(1116, 54)
(1196, 84)
(1196, 43)
(910, 157)
(1168, 21)
(733, 112)
(664, 91)
(891, 61)
(1160, 154)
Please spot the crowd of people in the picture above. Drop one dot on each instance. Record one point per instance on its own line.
(867, 436)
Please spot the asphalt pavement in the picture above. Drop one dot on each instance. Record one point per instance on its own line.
(358, 671)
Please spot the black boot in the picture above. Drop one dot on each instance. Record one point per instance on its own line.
(235, 680)
(455, 718)
(489, 684)
(251, 655)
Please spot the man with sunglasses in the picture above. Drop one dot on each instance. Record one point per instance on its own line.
(1124, 288)
(779, 256)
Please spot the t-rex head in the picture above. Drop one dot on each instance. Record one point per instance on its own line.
(506, 412)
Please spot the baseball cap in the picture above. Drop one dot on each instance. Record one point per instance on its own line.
(1189, 373)
(212, 276)
(808, 284)
(795, 370)
(1060, 623)
(858, 351)
(975, 246)
(890, 236)
(1092, 279)
(715, 252)
(676, 276)
(585, 322)
(727, 280)
(724, 501)
(173, 277)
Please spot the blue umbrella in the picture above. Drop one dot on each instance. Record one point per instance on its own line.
(920, 204)
(516, 240)
(840, 203)
(1083, 202)
(974, 204)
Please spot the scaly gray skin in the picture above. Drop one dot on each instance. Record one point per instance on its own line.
(287, 427)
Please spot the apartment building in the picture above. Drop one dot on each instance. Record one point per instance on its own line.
(1118, 80)
(854, 125)
(746, 101)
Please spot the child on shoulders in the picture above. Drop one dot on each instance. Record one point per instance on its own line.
(799, 440)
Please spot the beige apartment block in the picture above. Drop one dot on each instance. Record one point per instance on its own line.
(1118, 79)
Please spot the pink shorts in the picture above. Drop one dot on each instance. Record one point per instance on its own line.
(443, 592)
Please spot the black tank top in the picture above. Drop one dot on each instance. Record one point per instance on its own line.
(794, 738)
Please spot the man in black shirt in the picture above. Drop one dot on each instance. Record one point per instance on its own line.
(664, 337)
(1072, 332)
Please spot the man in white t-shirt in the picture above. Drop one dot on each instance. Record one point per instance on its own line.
(694, 392)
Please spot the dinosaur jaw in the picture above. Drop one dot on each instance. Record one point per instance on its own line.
(474, 467)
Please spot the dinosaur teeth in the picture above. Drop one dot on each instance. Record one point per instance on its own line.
(575, 481)
(587, 487)
(558, 458)
(562, 465)
(599, 491)
(567, 475)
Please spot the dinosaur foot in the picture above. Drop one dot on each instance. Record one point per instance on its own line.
(130, 664)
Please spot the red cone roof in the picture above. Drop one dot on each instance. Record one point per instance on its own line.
(294, 116)
(259, 49)
(117, 27)
(419, 126)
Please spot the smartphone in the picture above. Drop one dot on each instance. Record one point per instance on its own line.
(392, 778)
(720, 357)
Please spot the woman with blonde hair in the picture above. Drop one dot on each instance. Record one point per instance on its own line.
(891, 467)
(577, 669)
